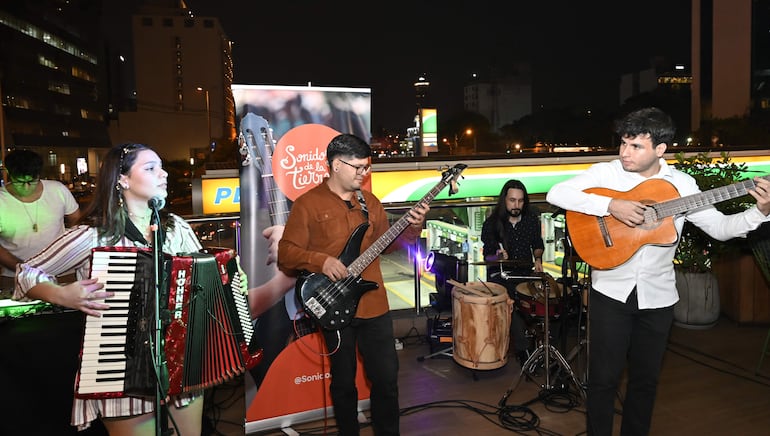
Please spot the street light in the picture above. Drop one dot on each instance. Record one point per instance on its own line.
(469, 133)
(208, 113)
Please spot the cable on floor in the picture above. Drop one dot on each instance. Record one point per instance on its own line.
(515, 418)
(214, 405)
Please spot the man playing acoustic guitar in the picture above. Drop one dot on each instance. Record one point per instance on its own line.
(322, 224)
(632, 298)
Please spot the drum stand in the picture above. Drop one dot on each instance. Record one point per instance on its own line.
(445, 352)
(582, 292)
(546, 351)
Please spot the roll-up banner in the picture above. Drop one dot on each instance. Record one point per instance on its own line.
(284, 133)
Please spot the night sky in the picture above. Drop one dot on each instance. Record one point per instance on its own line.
(577, 49)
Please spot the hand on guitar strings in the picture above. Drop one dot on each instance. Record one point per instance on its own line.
(334, 269)
(630, 213)
(416, 215)
(761, 192)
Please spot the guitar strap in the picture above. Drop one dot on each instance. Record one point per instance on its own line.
(362, 202)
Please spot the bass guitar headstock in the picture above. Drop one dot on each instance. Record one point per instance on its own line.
(451, 176)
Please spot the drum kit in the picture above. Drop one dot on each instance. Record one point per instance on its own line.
(481, 321)
(540, 298)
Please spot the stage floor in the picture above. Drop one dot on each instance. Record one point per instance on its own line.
(708, 387)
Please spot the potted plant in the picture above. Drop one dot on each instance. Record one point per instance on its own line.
(699, 304)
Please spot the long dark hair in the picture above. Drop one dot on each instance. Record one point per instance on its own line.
(107, 211)
(501, 213)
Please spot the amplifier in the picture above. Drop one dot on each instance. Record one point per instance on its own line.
(439, 333)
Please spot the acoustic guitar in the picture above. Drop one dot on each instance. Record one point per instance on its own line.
(604, 242)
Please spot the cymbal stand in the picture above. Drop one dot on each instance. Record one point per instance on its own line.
(546, 350)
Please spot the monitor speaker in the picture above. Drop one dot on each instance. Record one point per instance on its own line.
(445, 267)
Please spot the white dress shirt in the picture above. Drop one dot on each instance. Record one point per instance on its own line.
(651, 268)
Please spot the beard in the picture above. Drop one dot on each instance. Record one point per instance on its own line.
(514, 212)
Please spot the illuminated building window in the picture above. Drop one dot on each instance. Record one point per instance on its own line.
(61, 88)
(83, 74)
(47, 38)
(44, 61)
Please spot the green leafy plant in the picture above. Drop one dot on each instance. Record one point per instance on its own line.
(696, 249)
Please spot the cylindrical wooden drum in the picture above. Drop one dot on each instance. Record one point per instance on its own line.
(481, 322)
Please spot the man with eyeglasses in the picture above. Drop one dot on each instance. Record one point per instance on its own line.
(34, 213)
(319, 226)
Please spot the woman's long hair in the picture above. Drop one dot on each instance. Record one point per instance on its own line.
(107, 210)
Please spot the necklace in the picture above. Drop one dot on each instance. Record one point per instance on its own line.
(142, 223)
(136, 215)
(34, 222)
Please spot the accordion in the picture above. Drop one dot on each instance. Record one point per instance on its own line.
(207, 330)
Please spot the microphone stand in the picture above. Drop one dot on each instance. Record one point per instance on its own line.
(161, 372)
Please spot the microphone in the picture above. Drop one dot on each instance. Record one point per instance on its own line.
(156, 203)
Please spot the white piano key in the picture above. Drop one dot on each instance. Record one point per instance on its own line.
(95, 369)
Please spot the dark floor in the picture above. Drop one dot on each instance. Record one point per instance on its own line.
(709, 386)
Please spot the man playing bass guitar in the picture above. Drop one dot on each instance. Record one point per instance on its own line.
(631, 301)
(319, 225)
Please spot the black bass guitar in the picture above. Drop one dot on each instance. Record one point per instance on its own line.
(333, 304)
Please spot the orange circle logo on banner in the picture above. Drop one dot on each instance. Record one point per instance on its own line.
(299, 159)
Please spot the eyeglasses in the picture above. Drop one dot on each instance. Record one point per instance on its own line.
(360, 169)
(29, 183)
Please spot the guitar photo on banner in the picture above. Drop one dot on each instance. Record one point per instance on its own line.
(279, 320)
(605, 243)
(333, 304)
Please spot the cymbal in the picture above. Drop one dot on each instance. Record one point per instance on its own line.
(503, 262)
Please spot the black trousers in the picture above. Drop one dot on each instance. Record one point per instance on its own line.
(373, 338)
(621, 334)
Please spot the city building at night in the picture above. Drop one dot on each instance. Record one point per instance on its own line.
(183, 71)
(52, 85)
